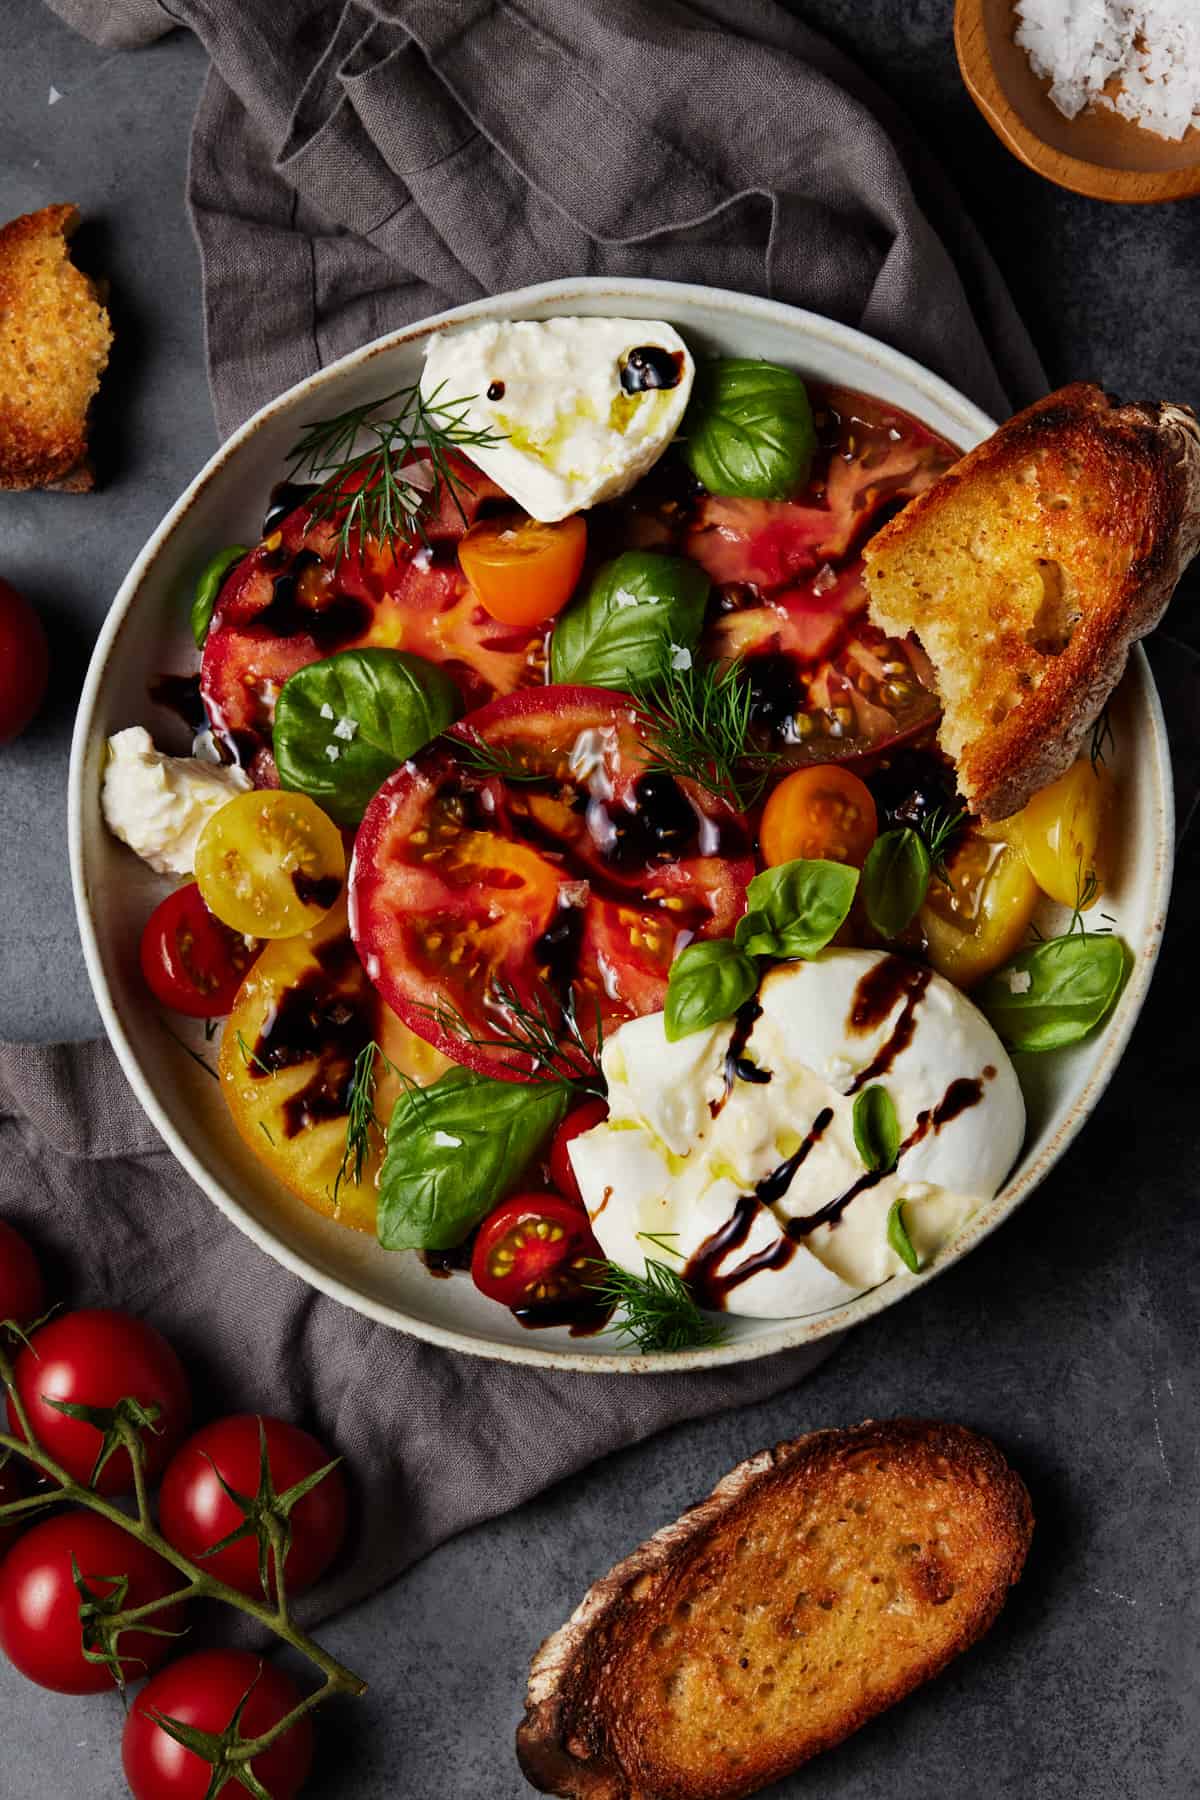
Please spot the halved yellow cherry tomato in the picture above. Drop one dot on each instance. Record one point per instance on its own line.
(980, 919)
(821, 812)
(270, 864)
(522, 571)
(1063, 832)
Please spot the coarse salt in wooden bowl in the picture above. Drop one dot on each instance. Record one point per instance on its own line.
(1098, 153)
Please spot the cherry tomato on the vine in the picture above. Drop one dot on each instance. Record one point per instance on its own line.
(203, 1691)
(535, 1250)
(523, 571)
(22, 1290)
(192, 963)
(40, 1629)
(97, 1358)
(195, 1512)
(817, 813)
(577, 1121)
(24, 662)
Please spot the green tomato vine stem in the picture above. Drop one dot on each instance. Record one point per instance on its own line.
(200, 1585)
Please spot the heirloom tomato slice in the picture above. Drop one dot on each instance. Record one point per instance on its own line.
(542, 872)
(303, 1014)
(295, 598)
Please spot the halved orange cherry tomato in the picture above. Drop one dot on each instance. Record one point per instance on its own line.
(523, 571)
(536, 1251)
(821, 812)
(980, 919)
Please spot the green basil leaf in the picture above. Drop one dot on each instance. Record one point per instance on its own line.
(898, 1238)
(455, 1149)
(208, 586)
(895, 880)
(876, 1128)
(343, 724)
(749, 429)
(794, 909)
(1054, 993)
(707, 983)
(640, 610)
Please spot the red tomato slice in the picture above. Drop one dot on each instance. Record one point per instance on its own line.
(536, 1252)
(292, 600)
(192, 963)
(578, 882)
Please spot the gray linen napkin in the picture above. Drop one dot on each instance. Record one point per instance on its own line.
(355, 166)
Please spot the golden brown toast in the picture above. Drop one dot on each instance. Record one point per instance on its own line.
(819, 1583)
(1029, 569)
(54, 343)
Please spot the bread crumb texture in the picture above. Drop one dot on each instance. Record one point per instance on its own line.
(55, 338)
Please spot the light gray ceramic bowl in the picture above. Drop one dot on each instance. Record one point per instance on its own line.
(147, 633)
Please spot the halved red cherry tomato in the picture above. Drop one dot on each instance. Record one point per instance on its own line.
(820, 812)
(204, 1691)
(564, 868)
(22, 1290)
(296, 597)
(523, 571)
(535, 1251)
(580, 1119)
(192, 963)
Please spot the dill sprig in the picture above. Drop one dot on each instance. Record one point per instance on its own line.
(658, 1309)
(544, 1030)
(938, 831)
(361, 1117)
(699, 719)
(1087, 886)
(1102, 739)
(188, 1051)
(485, 759)
(385, 502)
(249, 1057)
(659, 1240)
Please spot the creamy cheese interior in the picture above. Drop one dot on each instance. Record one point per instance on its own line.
(579, 402)
(731, 1156)
(158, 804)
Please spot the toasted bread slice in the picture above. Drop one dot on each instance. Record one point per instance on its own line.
(819, 1583)
(1029, 569)
(54, 342)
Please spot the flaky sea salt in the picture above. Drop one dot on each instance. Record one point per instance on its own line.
(1146, 53)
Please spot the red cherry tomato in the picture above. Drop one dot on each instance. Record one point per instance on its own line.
(10, 1489)
(95, 1358)
(22, 1290)
(192, 963)
(195, 1512)
(581, 1119)
(535, 1251)
(24, 663)
(40, 1629)
(203, 1691)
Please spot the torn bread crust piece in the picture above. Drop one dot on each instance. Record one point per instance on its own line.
(55, 338)
(1027, 572)
(819, 1583)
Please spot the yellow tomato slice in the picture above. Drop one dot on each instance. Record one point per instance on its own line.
(980, 918)
(1063, 833)
(302, 1015)
(270, 864)
(523, 571)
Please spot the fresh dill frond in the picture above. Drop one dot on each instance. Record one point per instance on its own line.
(1087, 886)
(264, 1128)
(1102, 739)
(188, 1051)
(545, 1031)
(368, 491)
(699, 720)
(938, 831)
(361, 1117)
(658, 1309)
(659, 1240)
(485, 759)
(249, 1057)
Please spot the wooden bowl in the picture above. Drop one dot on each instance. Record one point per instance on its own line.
(1098, 153)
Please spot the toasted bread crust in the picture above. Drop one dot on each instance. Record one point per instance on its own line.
(54, 343)
(1030, 568)
(684, 1618)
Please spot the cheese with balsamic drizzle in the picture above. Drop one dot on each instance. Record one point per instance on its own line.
(730, 1155)
(580, 408)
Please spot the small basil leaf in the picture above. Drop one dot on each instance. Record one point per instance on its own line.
(208, 586)
(895, 880)
(876, 1128)
(794, 909)
(1054, 993)
(343, 724)
(749, 429)
(707, 983)
(455, 1149)
(899, 1240)
(640, 609)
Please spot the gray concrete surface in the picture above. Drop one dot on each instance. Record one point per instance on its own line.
(1070, 1336)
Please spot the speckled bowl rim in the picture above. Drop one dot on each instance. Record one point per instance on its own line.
(788, 1334)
